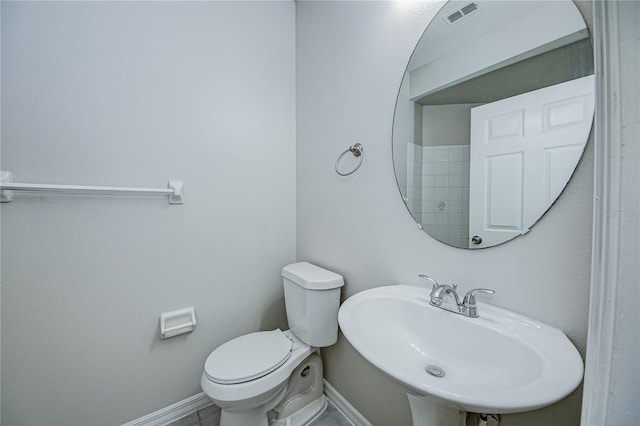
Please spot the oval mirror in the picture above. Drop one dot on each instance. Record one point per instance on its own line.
(493, 113)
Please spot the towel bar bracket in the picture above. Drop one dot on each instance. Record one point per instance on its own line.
(178, 192)
(6, 195)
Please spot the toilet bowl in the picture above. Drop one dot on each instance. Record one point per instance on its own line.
(275, 377)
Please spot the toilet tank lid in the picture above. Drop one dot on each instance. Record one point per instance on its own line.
(312, 277)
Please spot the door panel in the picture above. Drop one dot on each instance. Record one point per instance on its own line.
(524, 149)
(504, 193)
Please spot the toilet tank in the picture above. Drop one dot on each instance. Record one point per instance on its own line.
(312, 299)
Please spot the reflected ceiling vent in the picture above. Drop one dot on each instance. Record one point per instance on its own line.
(455, 16)
(471, 7)
(461, 13)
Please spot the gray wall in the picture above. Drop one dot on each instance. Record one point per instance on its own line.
(135, 94)
(350, 60)
(447, 124)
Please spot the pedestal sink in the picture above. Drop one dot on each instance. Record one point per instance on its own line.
(501, 362)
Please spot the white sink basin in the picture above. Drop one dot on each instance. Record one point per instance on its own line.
(501, 362)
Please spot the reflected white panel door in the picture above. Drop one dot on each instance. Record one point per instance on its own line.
(524, 149)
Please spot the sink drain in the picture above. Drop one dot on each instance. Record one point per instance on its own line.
(435, 371)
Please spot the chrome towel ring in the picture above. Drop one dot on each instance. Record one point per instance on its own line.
(357, 150)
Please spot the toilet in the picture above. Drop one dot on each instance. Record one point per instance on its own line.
(274, 378)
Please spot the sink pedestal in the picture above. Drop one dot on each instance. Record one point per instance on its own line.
(426, 412)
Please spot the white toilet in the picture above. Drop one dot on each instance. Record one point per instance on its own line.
(275, 377)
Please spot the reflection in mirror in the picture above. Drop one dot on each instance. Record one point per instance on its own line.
(493, 114)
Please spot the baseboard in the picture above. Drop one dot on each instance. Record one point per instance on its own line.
(197, 402)
(344, 406)
(173, 412)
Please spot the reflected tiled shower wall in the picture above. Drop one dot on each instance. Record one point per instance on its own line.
(438, 190)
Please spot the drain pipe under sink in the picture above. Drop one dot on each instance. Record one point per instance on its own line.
(475, 419)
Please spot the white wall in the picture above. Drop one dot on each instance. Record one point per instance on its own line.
(359, 227)
(135, 94)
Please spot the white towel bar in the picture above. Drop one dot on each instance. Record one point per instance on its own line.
(175, 189)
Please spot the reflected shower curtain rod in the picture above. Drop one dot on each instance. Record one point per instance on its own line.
(174, 190)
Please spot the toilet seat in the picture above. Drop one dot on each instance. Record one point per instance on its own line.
(241, 396)
(248, 357)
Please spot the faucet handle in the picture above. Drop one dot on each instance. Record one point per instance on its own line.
(470, 297)
(428, 278)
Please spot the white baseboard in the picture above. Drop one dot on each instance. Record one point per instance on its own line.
(173, 412)
(344, 406)
(197, 402)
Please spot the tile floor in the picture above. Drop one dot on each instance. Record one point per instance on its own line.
(210, 416)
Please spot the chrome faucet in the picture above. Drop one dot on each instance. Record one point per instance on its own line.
(466, 307)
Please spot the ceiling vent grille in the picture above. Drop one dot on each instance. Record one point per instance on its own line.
(461, 13)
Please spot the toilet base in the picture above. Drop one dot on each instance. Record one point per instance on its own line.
(305, 415)
(256, 417)
(253, 417)
(295, 403)
(304, 398)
